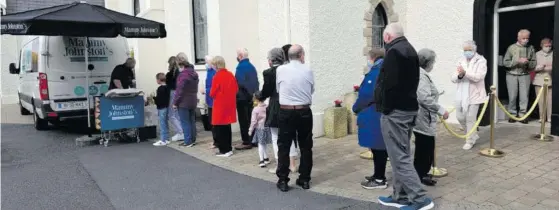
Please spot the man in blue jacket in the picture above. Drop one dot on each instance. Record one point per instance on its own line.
(247, 79)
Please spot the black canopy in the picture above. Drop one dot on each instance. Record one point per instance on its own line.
(80, 19)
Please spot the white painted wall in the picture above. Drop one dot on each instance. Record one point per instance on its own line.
(445, 41)
(9, 51)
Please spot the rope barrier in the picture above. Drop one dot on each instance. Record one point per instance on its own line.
(527, 114)
(473, 129)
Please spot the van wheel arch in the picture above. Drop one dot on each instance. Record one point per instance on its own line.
(38, 123)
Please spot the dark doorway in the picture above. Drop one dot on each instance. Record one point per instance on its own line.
(539, 22)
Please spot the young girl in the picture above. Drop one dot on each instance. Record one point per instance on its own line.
(261, 133)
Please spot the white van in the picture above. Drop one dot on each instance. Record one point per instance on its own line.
(52, 75)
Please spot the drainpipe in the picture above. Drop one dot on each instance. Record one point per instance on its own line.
(288, 22)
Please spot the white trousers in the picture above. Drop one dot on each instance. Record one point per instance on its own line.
(467, 120)
(292, 150)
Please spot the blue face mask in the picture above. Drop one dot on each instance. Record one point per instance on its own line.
(469, 54)
(370, 64)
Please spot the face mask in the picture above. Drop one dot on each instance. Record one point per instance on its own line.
(208, 66)
(429, 68)
(370, 64)
(524, 42)
(468, 54)
(546, 49)
(238, 60)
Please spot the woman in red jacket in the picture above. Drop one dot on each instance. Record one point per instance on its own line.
(224, 92)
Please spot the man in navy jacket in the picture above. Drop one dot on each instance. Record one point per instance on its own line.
(247, 79)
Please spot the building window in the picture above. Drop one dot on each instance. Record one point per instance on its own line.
(379, 23)
(136, 6)
(199, 11)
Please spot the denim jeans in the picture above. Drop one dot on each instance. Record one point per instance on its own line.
(163, 123)
(188, 124)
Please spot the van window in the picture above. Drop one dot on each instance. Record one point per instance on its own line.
(30, 56)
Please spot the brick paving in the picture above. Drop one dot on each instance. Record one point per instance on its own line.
(526, 178)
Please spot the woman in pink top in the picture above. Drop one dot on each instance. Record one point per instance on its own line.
(261, 132)
(470, 82)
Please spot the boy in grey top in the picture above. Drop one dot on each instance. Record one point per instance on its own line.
(520, 59)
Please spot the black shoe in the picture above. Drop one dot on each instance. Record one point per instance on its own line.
(525, 121)
(282, 186)
(369, 178)
(303, 184)
(429, 181)
(512, 121)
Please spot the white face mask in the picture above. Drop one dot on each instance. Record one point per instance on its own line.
(546, 49)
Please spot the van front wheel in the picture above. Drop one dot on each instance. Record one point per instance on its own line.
(40, 124)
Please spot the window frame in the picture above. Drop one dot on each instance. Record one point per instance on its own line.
(379, 11)
(201, 60)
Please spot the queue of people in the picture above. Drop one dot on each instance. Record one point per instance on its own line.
(397, 98)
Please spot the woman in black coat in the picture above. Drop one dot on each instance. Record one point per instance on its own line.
(276, 58)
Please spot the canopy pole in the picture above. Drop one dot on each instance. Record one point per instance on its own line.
(86, 58)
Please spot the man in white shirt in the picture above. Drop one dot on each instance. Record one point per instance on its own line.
(295, 85)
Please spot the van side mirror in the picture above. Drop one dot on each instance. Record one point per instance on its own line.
(13, 69)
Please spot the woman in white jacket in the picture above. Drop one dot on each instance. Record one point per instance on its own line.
(470, 80)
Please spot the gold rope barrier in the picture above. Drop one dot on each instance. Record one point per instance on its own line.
(525, 115)
(473, 129)
(542, 136)
(491, 151)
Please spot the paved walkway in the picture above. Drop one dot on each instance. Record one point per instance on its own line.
(526, 178)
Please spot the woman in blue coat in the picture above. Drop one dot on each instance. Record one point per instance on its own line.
(368, 122)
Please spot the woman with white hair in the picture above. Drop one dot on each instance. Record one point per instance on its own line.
(470, 80)
(430, 110)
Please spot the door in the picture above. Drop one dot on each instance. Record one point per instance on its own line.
(29, 72)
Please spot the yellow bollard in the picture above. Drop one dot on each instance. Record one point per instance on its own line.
(542, 136)
(491, 151)
(437, 172)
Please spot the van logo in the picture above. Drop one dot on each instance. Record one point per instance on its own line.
(93, 90)
(79, 90)
(97, 49)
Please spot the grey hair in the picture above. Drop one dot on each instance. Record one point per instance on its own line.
(394, 29)
(208, 59)
(470, 43)
(295, 52)
(242, 52)
(426, 58)
(276, 56)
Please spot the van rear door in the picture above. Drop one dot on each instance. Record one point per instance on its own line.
(66, 70)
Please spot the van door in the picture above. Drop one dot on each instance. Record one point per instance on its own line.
(67, 70)
(29, 67)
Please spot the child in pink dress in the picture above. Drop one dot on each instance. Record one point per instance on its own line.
(261, 132)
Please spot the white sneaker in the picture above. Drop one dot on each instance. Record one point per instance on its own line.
(160, 143)
(226, 154)
(177, 137)
(468, 146)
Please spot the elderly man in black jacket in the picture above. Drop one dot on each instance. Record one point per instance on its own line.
(396, 99)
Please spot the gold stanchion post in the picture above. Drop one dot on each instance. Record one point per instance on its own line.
(491, 151)
(437, 172)
(368, 155)
(542, 136)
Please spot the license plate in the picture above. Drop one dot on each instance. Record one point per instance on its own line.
(72, 105)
